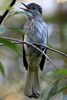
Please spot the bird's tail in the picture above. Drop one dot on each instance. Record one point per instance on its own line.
(32, 86)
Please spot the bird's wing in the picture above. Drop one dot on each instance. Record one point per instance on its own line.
(42, 61)
(45, 37)
(24, 54)
(24, 59)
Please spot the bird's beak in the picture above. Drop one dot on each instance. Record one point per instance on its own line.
(26, 9)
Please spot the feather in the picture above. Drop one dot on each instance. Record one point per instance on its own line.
(24, 59)
(42, 61)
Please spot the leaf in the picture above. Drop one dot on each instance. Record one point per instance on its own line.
(53, 90)
(61, 71)
(10, 45)
(2, 69)
(58, 91)
(49, 91)
(17, 31)
(61, 89)
(2, 29)
(9, 8)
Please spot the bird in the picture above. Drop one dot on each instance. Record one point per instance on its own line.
(36, 31)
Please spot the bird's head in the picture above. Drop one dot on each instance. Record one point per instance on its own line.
(32, 9)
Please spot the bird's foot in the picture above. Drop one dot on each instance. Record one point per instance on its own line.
(36, 94)
(29, 95)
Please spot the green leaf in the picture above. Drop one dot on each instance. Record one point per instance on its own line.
(53, 90)
(10, 45)
(2, 29)
(58, 91)
(61, 89)
(2, 69)
(61, 71)
(17, 30)
(49, 91)
(9, 8)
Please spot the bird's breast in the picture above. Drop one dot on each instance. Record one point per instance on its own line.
(35, 32)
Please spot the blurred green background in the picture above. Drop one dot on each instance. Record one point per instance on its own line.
(55, 15)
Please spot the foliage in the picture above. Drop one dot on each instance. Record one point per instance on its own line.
(54, 89)
(2, 69)
(17, 30)
(10, 45)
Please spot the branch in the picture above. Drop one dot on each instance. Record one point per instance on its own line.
(52, 49)
(7, 10)
(56, 51)
(32, 45)
(37, 44)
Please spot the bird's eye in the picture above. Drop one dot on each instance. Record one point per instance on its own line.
(33, 7)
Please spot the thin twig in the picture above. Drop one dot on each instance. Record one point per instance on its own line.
(37, 44)
(52, 49)
(56, 51)
(7, 10)
(28, 43)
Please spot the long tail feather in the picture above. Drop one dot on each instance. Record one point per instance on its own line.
(29, 82)
(32, 86)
